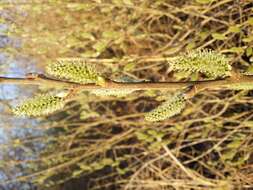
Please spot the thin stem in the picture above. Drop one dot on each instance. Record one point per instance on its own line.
(186, 170)
(42, 80)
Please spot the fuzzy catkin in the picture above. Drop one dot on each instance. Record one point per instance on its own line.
(74, 70)
(208, 62)
(39, 105)
(167, 109)
(116, 92)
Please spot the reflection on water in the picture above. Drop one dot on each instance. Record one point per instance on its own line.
(14, 130)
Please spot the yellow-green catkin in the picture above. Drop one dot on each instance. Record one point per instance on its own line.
(208, 62)
(39, 105)
(116, 92)
(75, 70)
(167, 109)
(112, 92)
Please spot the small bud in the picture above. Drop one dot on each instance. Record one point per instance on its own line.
(74, 70)
(208, 62)
(100, 81)
(43, 104)
(169, 108)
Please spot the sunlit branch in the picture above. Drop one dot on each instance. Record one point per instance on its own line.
(42, 80)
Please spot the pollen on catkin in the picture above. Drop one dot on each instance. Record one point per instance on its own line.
(167, 109)
(208, 62)
(39, 105)
(74, 70)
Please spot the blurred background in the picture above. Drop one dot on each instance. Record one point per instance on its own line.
(104, 142)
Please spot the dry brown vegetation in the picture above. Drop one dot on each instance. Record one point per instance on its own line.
(104, 142)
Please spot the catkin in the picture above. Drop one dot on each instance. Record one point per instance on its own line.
(74, 70)
(39, 105)
(169, 108)
(208, 62)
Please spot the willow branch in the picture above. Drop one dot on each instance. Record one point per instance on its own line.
(42, 80)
